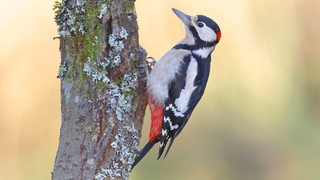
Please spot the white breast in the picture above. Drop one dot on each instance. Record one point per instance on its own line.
(163, 73)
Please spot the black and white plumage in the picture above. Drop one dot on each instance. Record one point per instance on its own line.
(178, 80)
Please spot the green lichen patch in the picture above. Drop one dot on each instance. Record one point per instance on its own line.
(81, 26)
(69, 18)
(129, 7)
(100, 52)
(96, 51)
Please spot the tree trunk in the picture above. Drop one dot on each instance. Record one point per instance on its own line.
(102, 94)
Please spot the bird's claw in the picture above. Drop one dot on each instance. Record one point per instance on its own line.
(151, 63)
(146, 67)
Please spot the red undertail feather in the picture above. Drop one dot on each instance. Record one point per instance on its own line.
(156, 119)
(155, 129)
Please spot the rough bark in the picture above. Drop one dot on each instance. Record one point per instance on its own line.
(102, 94)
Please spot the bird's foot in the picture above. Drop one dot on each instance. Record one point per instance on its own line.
(146, 67)
(151, 63)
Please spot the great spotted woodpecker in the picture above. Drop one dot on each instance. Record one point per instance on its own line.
(177, 81)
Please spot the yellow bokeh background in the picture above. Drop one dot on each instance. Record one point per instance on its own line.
(258, 119)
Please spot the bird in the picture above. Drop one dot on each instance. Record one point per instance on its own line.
(178, 80)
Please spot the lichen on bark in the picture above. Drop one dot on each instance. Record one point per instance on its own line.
(102, 94)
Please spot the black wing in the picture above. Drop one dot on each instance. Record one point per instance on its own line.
(173, 120)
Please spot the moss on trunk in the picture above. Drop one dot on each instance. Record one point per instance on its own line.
(102, 95)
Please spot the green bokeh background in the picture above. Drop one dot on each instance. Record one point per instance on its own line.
(259, 118)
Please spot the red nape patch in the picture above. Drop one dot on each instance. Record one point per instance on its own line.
(156, 119)
(218, 36)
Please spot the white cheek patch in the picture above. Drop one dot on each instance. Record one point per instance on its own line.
(206, 34)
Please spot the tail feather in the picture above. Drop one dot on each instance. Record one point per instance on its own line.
(163, 144)
(161, 148)
(143, 152)
(171, 142)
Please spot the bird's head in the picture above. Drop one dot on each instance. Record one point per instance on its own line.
(200, 29)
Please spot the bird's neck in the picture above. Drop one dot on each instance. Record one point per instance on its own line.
(199, 48)
(203, 52)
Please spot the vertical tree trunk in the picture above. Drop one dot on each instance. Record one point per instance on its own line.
(102, 95)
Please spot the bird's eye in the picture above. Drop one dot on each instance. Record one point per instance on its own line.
(200, 24)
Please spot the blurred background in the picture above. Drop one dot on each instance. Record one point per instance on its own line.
(259, 118)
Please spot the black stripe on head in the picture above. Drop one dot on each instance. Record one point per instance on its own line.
(194, 33)
(199, 42)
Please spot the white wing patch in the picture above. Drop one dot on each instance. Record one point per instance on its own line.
(172, 127)
(176, 112)
(164, 132)
(183, 100)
